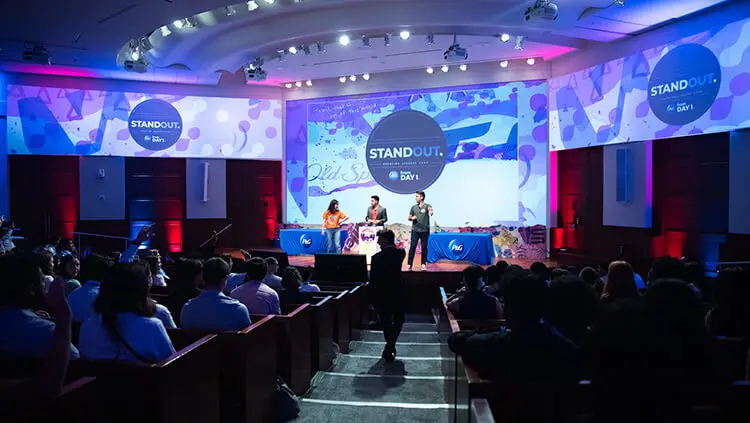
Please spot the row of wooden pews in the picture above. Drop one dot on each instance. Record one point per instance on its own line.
(213, 376)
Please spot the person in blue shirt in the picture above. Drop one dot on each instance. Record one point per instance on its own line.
(125, 327)
(212, 310)
(95, 268)
(21, 292)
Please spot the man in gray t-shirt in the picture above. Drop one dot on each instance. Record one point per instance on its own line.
(420, 228)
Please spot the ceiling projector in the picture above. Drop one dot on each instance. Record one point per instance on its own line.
(255, 75)
(455, 53)
(542, 9)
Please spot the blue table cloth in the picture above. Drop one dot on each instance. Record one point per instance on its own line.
(461, 246)
(297, 242)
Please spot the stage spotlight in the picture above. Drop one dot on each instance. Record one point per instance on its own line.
(281, 55)
(342, 79)
(366, 76)
(344, 40)
(270, 1)
(252, 5)
(404, 35)
(135, 55)
(430, 39)
(620, 2)
(230, 10)
(365, 41)
(504, 38)
(298, 84)
(307, 51)
(179, 23)
(444, 68)
(519, 42)
(308, 83)
(463, 68)
(165, 31)
(530, 61)
(293, 50)
(288, 85)
(321, 47)
(504, 64)
(387, 40)
(429, 70)
(353, 78)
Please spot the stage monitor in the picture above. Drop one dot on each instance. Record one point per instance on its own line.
(341, 268)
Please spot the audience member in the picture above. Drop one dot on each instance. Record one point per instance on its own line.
(212, 310)
(46, 262)
(620, 283)
(66, 246)
(387, 290)
(158, 278)
(94, 269)
(21, 293)
(558, 272)
(572, 308)
(68, 270)
(307, 285)
(539, 268)
(185, 286)
(589, 275)
(666, 268)
(235, 279)
(530, 352)
(493, 276)
(271, 278)
(125, 327)
(474, 303)
(730, 314)
(258, 297)
(292, 283)
(695, 276)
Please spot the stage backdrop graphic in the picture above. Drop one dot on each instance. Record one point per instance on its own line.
(60, 121)
(479, 152)
(696, 85)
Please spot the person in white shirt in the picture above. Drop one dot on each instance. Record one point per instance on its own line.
(158, 277)
(307, 286)
(125, 327)
(212, 310)
(95, 268)
(258, 297)
(271, 279)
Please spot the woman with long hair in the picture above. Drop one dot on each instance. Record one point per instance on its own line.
(333, 218)
(69, 268)
(124, 327)
(620, 282)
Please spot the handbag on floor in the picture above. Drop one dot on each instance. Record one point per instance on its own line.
(287, 403)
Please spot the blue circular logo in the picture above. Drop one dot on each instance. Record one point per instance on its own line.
(305, 241)
(406, 152)
(155, 125)
(684, 84)
(456, 247)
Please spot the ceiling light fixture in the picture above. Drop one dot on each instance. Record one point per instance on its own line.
(519, 42)
(504, 38)
(293, 50)
(308, 83)
(321, 47)
(366, 76)
(230, 10)
(463, 68)
(387, 40)
(430, 39)
(165, 31)
(620, 2)
(365, 41)
(288, 85)
(404, 34)
(298, 84)
(344, 40)
(353, 78)
(444, 68)
(429, 70)
(252, 5)
(342, 79)
(504, 64)
(270, 1)
(179, 23)
(530, 61)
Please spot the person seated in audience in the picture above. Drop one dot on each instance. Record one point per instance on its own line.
(68, 270)
(539, 268)
(185, 286)
(258, 297)
(695, 276)
(125, 327)
(730, 314)
(558, 272)
(46, 262)
(6, 236)
(493, 276)
(235, 278)
(21, 293)
(292, 282)
(666, 267)
(94, 269)
(48, 382)
(307, 285)
(271, 278)
(530, 351)
(589, 275)
(620, 283)
(572, 308)
(162, 312)
(158, 277)
(66, 245)
(212, 310)
(474, 303)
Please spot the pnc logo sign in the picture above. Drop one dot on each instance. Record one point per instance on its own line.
(305, 241)
(406, 152)
(155, 125)
(456, 247)
(684, 84)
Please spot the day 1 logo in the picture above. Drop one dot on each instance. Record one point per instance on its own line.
(305, 241)
(684, 84)
(155, 125)
(406, 152)
(456, 247)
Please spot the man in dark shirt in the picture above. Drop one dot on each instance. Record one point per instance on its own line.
(387, 290)
(420, 228)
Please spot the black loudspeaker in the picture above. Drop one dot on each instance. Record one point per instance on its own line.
(341, 268)
(280, 256)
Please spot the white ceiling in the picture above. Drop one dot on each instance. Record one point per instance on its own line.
(90, 34)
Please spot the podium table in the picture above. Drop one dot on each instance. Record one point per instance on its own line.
(461, 246)
(296, 242)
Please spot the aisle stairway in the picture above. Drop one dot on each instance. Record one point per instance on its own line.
(361, 388)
